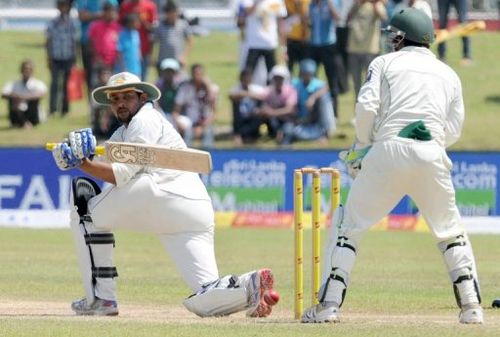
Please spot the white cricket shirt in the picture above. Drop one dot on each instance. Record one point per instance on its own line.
(149, 126)
(406, 86)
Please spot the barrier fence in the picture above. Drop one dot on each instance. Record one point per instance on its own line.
(248, 187)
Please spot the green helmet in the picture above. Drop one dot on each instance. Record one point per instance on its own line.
(413, 24)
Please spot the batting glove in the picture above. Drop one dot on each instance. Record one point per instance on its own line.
(64, 157)
(353, 159)
(82, 143)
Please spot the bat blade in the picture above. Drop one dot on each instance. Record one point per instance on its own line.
(159, 156)
(187, 159)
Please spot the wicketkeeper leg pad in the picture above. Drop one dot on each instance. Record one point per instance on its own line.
(221, 297)
(342, 261)
(459, 260)
(336, 221)
(94, 248)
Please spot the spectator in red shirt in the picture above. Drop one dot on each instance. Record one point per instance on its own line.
(103, 37)
(148, 15)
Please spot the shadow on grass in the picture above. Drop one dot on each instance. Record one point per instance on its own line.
(493, 99)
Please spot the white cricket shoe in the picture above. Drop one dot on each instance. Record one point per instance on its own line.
(98, 308)
(322, 313)
(471, 314)
(260, 283)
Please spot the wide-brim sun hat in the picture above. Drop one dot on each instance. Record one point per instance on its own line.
(124, 82)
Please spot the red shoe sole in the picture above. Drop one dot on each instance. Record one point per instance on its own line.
(264, 309)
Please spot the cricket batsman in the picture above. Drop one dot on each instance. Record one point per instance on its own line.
(407, 112)
(173, 204)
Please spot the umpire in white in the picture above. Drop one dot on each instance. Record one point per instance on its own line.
(408, 111)
(173, 204)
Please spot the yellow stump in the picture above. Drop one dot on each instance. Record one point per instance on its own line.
(299, 243)
(335, 188)
(316, 238)
(316, 227)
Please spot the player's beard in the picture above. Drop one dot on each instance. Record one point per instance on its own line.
(124, 115)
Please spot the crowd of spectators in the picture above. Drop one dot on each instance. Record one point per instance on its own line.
(291, 109)
(339, 36)
(283, 45)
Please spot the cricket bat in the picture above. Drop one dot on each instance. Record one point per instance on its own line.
(191, 160)
(460, 30)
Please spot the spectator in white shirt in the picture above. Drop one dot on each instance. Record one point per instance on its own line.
(24, 96)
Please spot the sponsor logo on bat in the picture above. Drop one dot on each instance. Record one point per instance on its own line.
(131, 154)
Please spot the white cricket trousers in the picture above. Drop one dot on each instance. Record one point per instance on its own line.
(185, 226)
(399, 167)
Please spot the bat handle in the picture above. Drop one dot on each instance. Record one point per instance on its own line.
(99, 150)
(50, 146)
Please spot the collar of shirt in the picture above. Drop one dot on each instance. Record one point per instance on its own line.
(421, 50)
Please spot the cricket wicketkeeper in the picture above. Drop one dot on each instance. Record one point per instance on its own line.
(407, 112)
(173, 204)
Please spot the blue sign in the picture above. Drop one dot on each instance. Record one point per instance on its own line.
(243, 180)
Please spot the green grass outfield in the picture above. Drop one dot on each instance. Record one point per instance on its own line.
(219, 53)
(399, 287)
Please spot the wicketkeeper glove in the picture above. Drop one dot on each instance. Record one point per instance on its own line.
(353, 159)
(82, 143)
(64, 157)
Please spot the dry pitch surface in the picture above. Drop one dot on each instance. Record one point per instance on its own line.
(179, 315)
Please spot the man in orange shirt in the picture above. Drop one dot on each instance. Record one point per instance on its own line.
(148, 15)
(297, 31)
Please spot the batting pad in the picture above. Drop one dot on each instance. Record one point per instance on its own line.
(94, 248)
(82, 252)
(95, 259)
